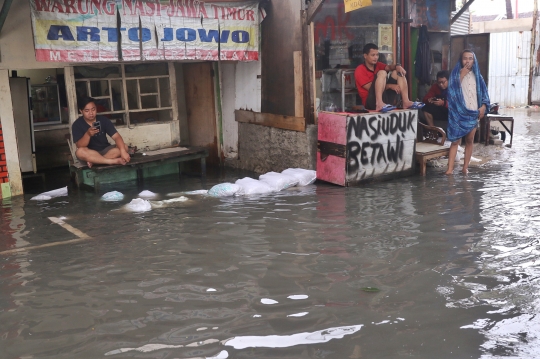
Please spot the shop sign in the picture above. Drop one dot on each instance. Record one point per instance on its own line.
(138, 30)
(351, 5)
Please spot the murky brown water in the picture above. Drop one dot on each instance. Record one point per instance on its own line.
(454, 262)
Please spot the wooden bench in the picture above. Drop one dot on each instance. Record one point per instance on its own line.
(428, 145)
(136, 168)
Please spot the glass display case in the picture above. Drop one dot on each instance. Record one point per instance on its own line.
(45, 104)
(338, 90)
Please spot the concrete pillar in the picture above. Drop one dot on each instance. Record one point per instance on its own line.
(10, 135)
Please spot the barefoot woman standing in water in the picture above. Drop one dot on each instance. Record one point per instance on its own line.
(468, 101)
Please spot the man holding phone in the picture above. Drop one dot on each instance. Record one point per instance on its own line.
(435, 100)
(90, 135)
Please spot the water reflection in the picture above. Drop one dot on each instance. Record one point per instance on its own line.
(509, 258)
(434, 267)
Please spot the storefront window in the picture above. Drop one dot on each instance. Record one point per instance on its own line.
(146, 98)
(339, 38)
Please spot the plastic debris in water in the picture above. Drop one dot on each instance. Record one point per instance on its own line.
(139, 205)
(250, 186)
(112, 196)
(147, 194)
(45, 196)
(301, 314)
(278, 181)
(177, 199)
(224, 190)
(268, 301)
(158, 204)
(303, 176)
(199, 191)
(370, 289)
(41, 197)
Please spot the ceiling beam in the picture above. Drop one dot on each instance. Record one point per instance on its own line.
(463, 9)
(312, 9)
(4, 13)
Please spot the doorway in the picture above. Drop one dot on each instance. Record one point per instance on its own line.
(200, 108)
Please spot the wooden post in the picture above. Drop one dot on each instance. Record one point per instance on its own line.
(71, 94)
(312, 60)
(10, 136)
(175, 123)
(307, 48)
(298, 85)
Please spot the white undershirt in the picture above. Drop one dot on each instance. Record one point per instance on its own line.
(468, 86)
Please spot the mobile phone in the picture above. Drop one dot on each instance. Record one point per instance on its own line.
(97, 125)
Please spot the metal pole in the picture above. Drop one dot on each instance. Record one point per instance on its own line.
(534, 35)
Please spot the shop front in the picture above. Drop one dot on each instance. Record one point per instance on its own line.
(358, 148)
(340, 33)
(152, 66)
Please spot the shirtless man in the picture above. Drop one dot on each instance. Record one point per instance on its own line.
(375, 87)
(92, 144)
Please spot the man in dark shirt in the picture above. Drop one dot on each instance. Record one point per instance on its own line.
(90, 135)
(436, 103)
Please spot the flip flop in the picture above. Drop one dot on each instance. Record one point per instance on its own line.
(416, 106)
(387, 108)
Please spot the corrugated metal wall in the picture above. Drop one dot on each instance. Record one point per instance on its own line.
(509, 66)
(462, 25)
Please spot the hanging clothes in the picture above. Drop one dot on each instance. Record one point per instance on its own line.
(422, 64)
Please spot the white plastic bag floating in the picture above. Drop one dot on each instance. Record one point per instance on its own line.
(139, 205)
(159, 204)
(45, 196)
(460, 153)
(177, 199)
(249, 186)
(147, 194)
(278, 181)
(224, 190)
(199, 191)
(303, 176)
(112, 196)
(41, 197)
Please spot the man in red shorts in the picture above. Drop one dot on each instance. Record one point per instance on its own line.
(379, 85)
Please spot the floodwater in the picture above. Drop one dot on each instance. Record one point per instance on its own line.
(434, 267)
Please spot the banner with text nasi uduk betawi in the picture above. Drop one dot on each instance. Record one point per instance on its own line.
(138, 30)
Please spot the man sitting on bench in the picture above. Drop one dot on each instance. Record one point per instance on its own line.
(90, 135)
(436, 103)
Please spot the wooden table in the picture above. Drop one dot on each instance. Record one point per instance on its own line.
(426, 151)
(136, 168)
(501, 123)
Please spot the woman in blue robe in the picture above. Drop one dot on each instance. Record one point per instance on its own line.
(468, 101)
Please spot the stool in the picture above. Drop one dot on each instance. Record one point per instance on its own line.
(500, 123)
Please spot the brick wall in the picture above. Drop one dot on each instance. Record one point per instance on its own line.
(4, 178)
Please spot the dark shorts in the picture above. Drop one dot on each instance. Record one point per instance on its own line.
(389, 97)
(439, 113)
(104, 151)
